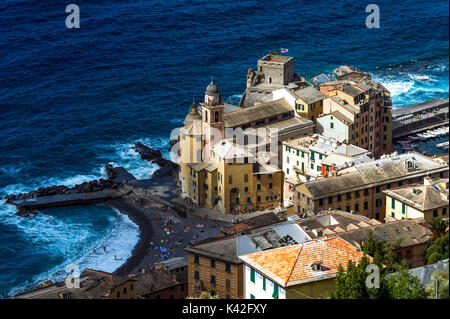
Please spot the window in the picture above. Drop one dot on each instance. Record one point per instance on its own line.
(403, 208)
(444, 211)
(331, 125)
(339, 197)
(125, 290)
(246, 178)
(366, 205)
(249, 200)
(258, 187)
(393, 203)
(213, 292)
(330, 200)
(321, 202)
(252, 275)
(213, 263)
(356, 207)
(227, 268)
(287, 170)
(270, 185)
(246, 189)
(228, 284)
(357, 194)
(258, 199)
(348, 195)
(196, 275)
(377, 190)
(347, 209)
(230, 179)
(118, 294)
(196, 260)
(213, 280)
(216, 116)
(435, 213)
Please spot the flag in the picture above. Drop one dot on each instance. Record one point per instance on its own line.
(284, 50)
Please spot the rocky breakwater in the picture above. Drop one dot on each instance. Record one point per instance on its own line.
(63, 191)
(166, 168)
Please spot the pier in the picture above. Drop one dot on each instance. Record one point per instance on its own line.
(419, 117)
(62, 200)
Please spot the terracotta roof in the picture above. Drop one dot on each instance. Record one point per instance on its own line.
(292, 265)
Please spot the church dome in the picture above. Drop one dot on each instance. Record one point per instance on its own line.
(212, 89)
(192, 116)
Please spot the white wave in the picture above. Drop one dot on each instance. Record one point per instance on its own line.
(53, 233)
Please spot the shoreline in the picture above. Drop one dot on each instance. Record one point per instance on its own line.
(145, 234)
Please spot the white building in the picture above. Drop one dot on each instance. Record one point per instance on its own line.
(258, 286)
(304, 158)
(335, 125)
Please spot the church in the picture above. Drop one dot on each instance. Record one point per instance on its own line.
(230, 156)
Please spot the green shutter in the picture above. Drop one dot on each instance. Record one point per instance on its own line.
(252, 297)
(403, 208)
(275, 291)
(252, 275)
(393, 203)
(264, 283)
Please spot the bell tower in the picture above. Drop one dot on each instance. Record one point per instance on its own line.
(212, 117)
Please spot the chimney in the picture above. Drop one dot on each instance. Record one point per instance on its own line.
(317, 266)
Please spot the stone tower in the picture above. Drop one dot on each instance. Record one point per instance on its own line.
(212, 117)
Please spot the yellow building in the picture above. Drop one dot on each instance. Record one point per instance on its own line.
(303, 271)
(226, 153)
(234, 180)
(309, 103)
(425, 201)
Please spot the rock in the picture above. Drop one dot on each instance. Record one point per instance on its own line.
(27, 213)
(147, 153)
(167, 168)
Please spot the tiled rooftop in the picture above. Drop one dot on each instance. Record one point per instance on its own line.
(292, 265)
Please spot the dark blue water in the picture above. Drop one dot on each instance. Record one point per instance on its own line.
(73, 100)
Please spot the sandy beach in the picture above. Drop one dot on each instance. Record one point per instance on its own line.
(172, 236)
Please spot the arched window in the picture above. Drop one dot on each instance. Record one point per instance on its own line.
(216, 116)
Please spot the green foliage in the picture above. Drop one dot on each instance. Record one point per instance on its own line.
(383, 254)
(404, 285)
(437, 250)
(438, 227)
(442, 277)
(395, 281)
(204, 295)
(274, 52)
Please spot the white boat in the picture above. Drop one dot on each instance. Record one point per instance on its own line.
(442, 145)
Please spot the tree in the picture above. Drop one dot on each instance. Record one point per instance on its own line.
(404, 285)
(395, 282)
(274, 52)
(204, 295)
(383, 253)
(442, 277)
(438, 249)
(438, 227)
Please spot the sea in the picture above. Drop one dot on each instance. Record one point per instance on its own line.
(74, 100)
